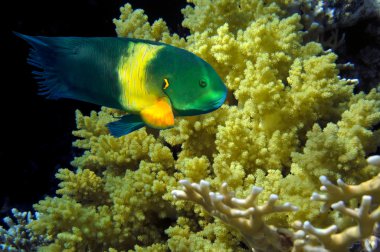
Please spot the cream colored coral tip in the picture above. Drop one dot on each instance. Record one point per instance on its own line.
(323, 179)
(290, 206)
(307, 225)
(315, 196)
(204, 183)
(299, 234)
(273, 197)
(366, 199)
(184, 182)
(374, 160)
(179, 194)
(338, 205)
(340, 182)
(256, 189)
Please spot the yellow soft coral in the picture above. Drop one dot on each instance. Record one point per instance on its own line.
(109, 153)
(82, 185)
(72, 223)
(212, 237)
(120, 219)
(288, 119)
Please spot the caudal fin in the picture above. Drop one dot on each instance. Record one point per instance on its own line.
(44, 55)
(78, 68)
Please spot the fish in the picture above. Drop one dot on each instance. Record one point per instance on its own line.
(152, 81)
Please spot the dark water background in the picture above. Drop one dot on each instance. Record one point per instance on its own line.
(35, 132)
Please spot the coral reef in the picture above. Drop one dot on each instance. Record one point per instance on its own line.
(19, 238)
(249, 218)
(289, 119)
(366, 216)
(324, 20)
(337, 24)
(242, 214)
(319, 16)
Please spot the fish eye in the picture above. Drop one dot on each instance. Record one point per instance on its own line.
(165, 84)
(202, 83)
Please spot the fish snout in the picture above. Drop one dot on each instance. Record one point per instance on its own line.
(218, 99)
(221, 100)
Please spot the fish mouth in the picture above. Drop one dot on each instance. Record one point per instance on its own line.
(219, 102)
(213, 105)
(208, 107)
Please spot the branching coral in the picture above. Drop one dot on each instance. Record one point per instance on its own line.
(248, 218)
(344, 192)
(289, 119)
(333, 241)
(242, 214)
(332, 14)
(19, 238)
(310, 238)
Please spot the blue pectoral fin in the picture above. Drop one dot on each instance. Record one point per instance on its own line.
(125, 125)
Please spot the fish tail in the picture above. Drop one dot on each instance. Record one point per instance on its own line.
(43, 55)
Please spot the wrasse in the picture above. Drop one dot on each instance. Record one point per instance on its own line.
(152, 81)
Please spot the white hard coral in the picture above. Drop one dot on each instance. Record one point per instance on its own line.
(243, 214)
(18, 237)
(332, 240)
(366, 216)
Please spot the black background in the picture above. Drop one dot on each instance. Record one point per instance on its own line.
(36, 132)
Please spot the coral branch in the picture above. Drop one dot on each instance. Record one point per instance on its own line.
(18, 237)
(334, 241)
(243, 214)
(309, 238)
(343, 192)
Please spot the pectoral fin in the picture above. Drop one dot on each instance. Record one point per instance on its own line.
(159, 115)
(125, 125)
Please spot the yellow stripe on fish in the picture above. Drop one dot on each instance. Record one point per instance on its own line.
(133, 76)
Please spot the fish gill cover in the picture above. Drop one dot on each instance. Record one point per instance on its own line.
(289, 124)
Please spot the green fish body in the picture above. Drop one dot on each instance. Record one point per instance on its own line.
(153, 82)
